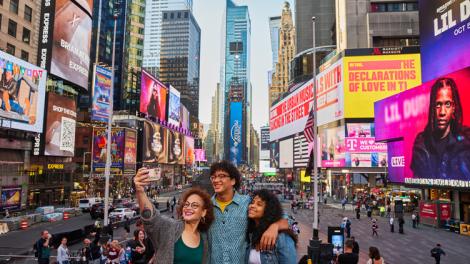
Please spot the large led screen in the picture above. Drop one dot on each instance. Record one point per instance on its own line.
(433, 120)
(332, 147)
(71, 43)
(190, 154)
(23, 88)
(236, 131)
(174, 103)
(155, 143)
(444, 30)
(286, 153)
(175, 148)
(153, 95)
(101, 94)
(60, 126)
(100, 139)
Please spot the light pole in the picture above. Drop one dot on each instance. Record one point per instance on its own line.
(107, 170)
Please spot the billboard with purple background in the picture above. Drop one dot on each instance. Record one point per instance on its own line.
(101, 93)
(444, 35)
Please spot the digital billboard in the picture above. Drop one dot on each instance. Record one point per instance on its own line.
(286, 153)
(100, 138)
(236, 132)
(200, 155)
(264, 138)
(130, 152)
(274, 154)
(444, 31)
(184, 117)
(101, 94)
(153, 97)
(190, 155)
(433, 120)
(368, 79)
(332, 147)
(23, 88)
(330, 93)
(59, 135)
(175, 148)
(174, 103)
(71, 42)
(155, 145)
(11, 198)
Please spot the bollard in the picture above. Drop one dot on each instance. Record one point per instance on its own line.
(24, 224)
(66, 216)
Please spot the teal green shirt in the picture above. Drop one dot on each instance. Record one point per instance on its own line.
(188, 255)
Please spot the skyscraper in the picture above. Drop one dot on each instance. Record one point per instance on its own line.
(280, 79)
(235, 83)
(153, 29)
(274, 28)
(179, 57)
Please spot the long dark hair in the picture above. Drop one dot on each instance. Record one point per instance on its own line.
(374, 253)
(457, 120)
(272, 213)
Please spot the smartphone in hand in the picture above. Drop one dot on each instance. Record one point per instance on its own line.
(154, 174)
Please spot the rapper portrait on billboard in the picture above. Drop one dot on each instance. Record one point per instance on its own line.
(154, 143)
(442, 150)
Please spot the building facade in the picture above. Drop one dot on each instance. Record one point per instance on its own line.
(153, 29)
(19, 28)
(286, 51)
(274, 28)
(179, 57)
(235, 83)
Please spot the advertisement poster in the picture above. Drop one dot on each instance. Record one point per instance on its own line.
(11, 198)
(59, 135)
(428, 210)
(130, 152)
(274, 154)
(184, 117)
(288, 116)
(360, 129)
(286, 153)
(175, 148)
(236, 130)
(434, 122)
(301, 151)
(372, 78)
(200, 155)
(364, 145)
(174, 107)
(332, 147)
(153, 95)
(101, 94)
(71, 43)
(444, 36)
(330, 93)
(117, 150)
(190, 155)
(155, 143)
(396, 161)
(264, 138)
(25, 87)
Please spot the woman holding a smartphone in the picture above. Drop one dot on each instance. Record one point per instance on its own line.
(182, 240)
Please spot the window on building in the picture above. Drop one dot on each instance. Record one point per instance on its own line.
(394, 7)
(12, 28)
(172, 15)
(26, 35)
(165, 16)
(14, 6)
(10, 49)
(179, 14)
(28, 13)
(186, 15)
(24, 55)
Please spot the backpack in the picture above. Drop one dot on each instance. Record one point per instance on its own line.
(434, 253)
(36, 249)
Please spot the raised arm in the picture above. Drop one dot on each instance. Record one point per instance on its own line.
(145, 205)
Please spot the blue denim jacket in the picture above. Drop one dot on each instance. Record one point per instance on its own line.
(284, 252)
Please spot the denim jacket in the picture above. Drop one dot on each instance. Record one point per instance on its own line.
(283, 253)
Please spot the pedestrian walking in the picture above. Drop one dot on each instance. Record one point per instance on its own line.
(389, 211)
(369, 212)
(401, 223)
(7, 213)
(348, 228)
(293, 205)
(437, 252)
(127, 226)
(43, 248)
(392, 225)
(413, 218)
(355, 246)
(348, 257)
(63, 253)
(358, 213)
(374, 256)
(173, 204)
(343, 203)
(375, 227)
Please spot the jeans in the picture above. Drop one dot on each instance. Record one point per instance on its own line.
(15, 107)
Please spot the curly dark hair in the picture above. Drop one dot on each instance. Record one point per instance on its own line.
(206, 199)
(374, 253)
(272, 213)
(229, 168)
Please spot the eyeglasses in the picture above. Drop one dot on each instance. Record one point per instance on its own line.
(447, 104)
(219, 177)
(194, 206)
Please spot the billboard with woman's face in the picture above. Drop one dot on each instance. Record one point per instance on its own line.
(155, 143)
(153, 97)
(175, 148)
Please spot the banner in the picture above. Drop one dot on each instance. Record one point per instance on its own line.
(100, 138)
(330, 94)
(175, 148)
(189, 156)
(11, 198)
(184, 117)
(372, 78)
(364, 145)
(155, 143)
(153, 97)
(444, 31)
(101, 94)
(130, 152)
(264, 138)
(434, 122)
(236, 133)
(60, 126)
(274, 154)
(174, 107)
(332, 147)
(286, 153)
(25, 87)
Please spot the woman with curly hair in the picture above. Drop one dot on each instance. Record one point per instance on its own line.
(182, 240)
(264, 210)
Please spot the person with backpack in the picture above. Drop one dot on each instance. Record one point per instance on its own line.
(437, 252)
(42, 248)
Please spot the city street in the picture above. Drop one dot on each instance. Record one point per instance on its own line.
(412, 247)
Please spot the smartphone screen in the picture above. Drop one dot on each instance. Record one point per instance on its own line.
(154, 174)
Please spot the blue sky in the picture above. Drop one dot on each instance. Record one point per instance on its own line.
(209, 15)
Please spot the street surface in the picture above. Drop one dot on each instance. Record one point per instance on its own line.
(412, 247)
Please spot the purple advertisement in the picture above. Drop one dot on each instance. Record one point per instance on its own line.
(433, 122)
(444, 35)
(396, 161)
